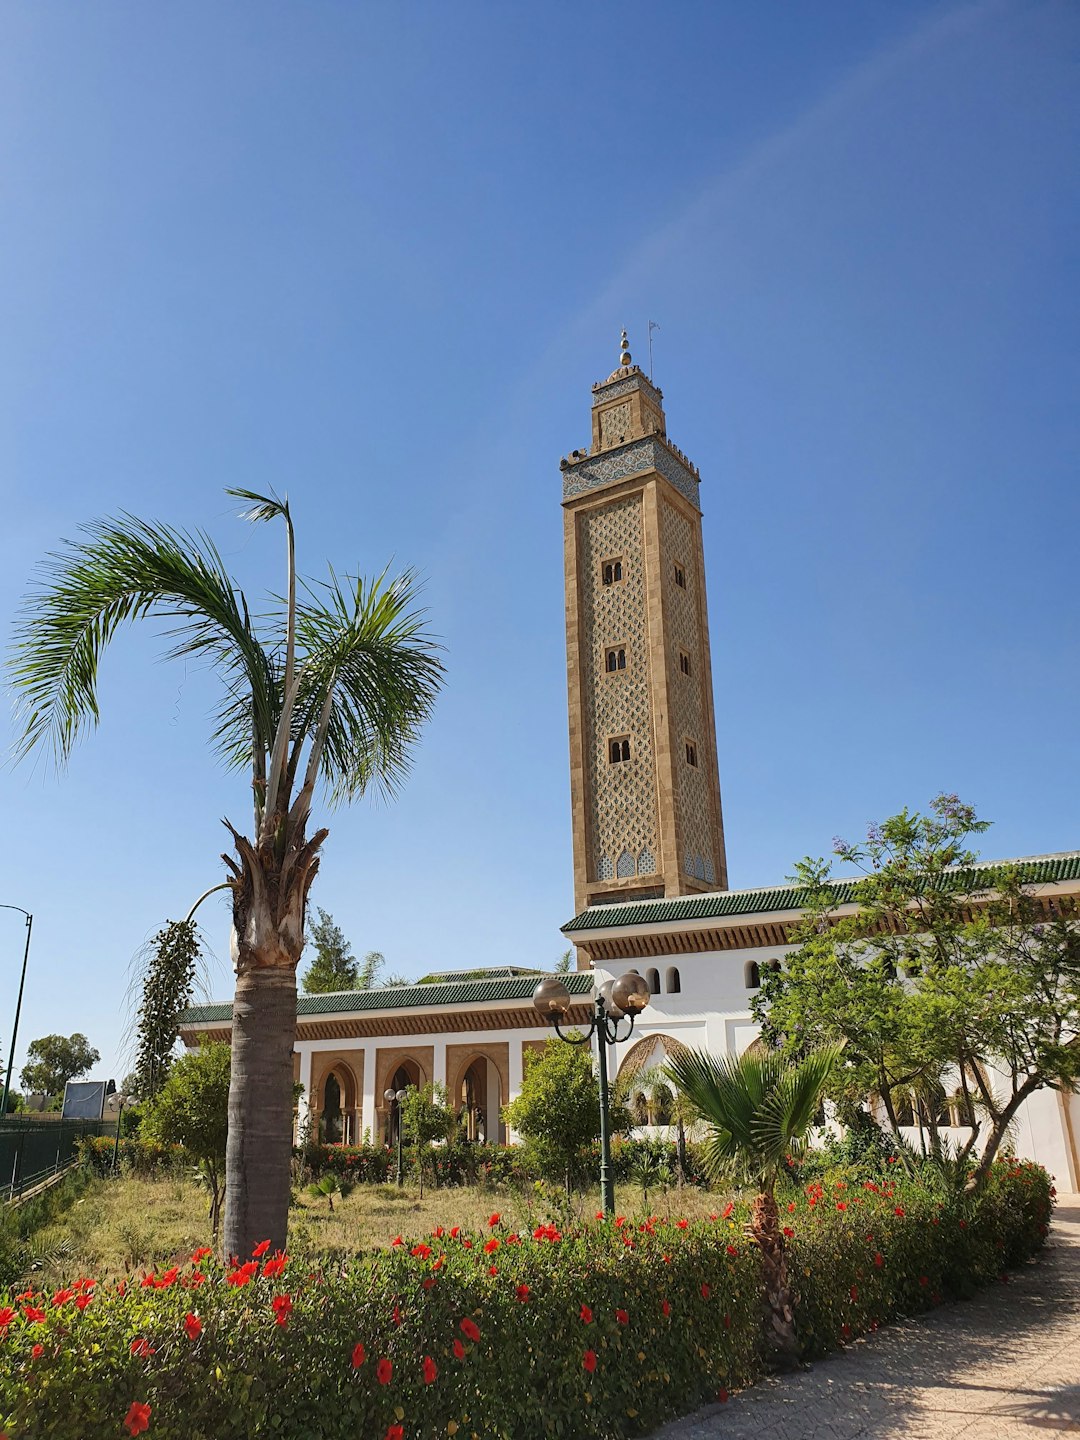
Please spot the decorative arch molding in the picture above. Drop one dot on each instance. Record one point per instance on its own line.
(636, 1060)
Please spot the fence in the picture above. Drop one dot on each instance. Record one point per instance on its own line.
(31, 1150)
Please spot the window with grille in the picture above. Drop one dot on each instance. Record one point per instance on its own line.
(680, 576)
(691, 753)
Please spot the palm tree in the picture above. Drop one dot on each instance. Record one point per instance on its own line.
(758, 1109)
(330, 690)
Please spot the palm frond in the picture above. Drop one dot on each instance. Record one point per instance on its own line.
(125, 570)
(263, 507)
(369, 674)
(787, 1111)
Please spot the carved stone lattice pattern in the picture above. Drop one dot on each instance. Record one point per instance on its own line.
(647, 454)
(620, 799)
(614, 388)
(626, 867)
(688, 710)
(646, 864)
(615, 424)
(605, 870)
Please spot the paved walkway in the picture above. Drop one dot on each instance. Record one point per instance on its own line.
(1003, 1366)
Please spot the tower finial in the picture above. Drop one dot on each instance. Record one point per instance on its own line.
(625, 358)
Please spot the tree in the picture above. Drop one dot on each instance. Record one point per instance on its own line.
(54, 1060)
(334, 966)
(426, 1116)
(565, 963)
(192, 1109)
(167, 988)
(332, 688)
(758, 1109)
(943, 974)
(557, 1109)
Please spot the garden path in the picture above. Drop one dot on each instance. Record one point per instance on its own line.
(1002, 1366)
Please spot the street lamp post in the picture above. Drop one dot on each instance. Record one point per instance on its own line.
(18, 1005)
(117, 1102)
(616, 1000)
(392, 1096)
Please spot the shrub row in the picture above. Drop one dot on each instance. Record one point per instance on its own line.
(136, 1155)
(495, 1164)
(605, 1332)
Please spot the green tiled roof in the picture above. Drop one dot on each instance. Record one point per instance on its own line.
(407, 997)
(1034, 870)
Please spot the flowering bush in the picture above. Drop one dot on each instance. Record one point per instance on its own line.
(602, 1332)
(137, 1155)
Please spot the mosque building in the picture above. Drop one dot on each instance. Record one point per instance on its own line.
(650, 867)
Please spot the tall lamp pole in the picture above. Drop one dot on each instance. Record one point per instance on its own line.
(18, 1005)
(392, 1096)
(616, 1000)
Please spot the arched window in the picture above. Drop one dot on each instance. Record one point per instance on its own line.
(331, 1126)
(674, 983)
(624, 866)
(619, 750)
(653, 977)
(615, 660)
(611, 572)
(752, 975)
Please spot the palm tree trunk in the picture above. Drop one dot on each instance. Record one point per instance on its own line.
(257, 1167)
(781, 1342)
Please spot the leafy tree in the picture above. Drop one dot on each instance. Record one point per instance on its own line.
(192, 1109)
(54, 1060)
(332, 687)
(557, 1109)
(426, 1116)
(940, 976)
(334, 966)
(167, 989)
(758, 1109)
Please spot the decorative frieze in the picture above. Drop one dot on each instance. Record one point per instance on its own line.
(650, 453)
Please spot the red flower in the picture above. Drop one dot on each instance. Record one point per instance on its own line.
(622, 1317)
(788, 1231)
(491, 1246)
(841, 1205)
(138, 1418)
(586, 1314)
(63, 1296)
(275, 1266)
(492, 1270)
(589, 1360)
(599, 1214)
(359, 1355)
(282, 1308)
(438, 1232)
(193, 1326)
(683, 1224)
(243, 1274)
(7, 1314)
(431, 1370)
(705, 1292)
(732, 1251)
(261, 1249)
(899, 1211)
(38, 1351)
(791, 1207)
(383, 1371)
(455, 1232)
(665, 1306)
(523, 1293)
(201, 1254)
(169, 1278)
(142, 1347)
(395, 1432)
(728, 1208)
(397, 1240)
(494, 1220)
(33, 1314)
(924, 1280)
(421, 1251)
(854, 1293)
(469, 1330)
(82, 1301)
(459, 1349)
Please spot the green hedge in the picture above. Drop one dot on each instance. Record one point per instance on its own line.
(472, 1164)
(606, 1332)
(136, 1156)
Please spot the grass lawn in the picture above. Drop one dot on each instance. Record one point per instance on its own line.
(128, 1225)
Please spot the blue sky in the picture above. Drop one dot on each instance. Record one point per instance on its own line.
(375, 256)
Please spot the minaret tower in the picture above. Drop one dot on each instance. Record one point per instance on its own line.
(644, 782)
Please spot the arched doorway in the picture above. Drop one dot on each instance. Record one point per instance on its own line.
(335, 1098)
(478, 1103)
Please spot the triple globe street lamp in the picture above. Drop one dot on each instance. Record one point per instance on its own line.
(615, 1001)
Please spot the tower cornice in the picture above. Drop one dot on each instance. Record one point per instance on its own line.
(583, 472)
